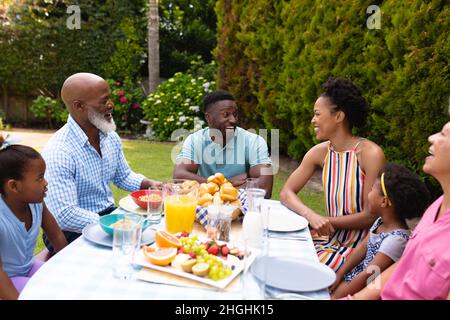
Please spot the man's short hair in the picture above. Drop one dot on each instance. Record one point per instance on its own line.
(213, 97)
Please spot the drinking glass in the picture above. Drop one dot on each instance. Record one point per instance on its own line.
(180, 204)
(155, 204)
(126, 240)
(252, 183)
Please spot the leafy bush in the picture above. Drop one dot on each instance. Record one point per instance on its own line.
(129, 55)
(274, 56)
(176, 104)
(127, 98)
(52, 111)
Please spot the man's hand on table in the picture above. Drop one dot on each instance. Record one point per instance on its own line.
(146, 183)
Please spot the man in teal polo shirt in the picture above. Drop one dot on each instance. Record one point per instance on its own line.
(224, 147)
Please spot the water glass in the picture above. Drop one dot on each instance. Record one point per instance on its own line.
(155, 204)
(252, 183)
(126, 241)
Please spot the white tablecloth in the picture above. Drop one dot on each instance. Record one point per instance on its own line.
(83, 270)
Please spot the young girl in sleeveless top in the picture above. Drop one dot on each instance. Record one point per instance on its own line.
(22, 214)
(398, 194)
(349, 164)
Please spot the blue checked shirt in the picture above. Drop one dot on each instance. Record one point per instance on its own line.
(79, 178)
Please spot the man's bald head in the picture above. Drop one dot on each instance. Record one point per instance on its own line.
(79, 87)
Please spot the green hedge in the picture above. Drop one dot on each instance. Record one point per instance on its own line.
(274, 56)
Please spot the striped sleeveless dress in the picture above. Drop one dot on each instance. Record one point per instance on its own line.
(343, 184)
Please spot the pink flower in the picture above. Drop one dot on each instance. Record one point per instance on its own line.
(135, 106)
(120, 93)
(123, 99)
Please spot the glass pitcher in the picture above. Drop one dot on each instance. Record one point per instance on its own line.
(180, 204)
(252, 225)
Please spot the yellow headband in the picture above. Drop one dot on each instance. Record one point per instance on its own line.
(383, 187)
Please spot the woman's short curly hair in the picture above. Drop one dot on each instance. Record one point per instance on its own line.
(348, 98)
(407, 192)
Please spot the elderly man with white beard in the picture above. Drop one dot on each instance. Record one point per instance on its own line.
(84, 157)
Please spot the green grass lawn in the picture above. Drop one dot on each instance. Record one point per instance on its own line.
(153, 160)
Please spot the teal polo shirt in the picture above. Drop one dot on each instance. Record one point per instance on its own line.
(242, 152)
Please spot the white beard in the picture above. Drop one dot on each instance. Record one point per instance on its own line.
(97, 119)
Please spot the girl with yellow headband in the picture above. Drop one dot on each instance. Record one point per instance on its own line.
(397, 195)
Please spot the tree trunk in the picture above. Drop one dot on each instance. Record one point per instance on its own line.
(5, 101)
(153, 45)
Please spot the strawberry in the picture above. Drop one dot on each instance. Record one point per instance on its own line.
(180, 250)
(192, 254)
(185, 234)
(225, 250)
(214, 249)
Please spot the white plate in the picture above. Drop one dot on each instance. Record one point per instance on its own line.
(284, 220)
(95, 233)
(293, 274)
(221, 284)
(128, 204)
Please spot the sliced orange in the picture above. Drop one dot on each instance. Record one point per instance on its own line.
(165, 239)
(160, 257)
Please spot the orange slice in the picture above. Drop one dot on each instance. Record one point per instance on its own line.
(164, 239)
(160, 257)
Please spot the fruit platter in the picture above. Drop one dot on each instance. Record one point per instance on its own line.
(211, 262)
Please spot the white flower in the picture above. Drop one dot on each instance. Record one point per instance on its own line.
(206, 85)
(182, 119)
(188, 100)
(155, 119)
(194, 108)
(158, 101)
(178, 123)
(171, 80)
(193, 80)
(180, 113)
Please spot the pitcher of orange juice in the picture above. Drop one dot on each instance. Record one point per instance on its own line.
(180, 204)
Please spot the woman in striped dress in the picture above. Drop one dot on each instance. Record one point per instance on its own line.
(349, 164)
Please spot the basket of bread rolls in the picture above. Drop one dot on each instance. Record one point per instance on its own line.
(218, 190)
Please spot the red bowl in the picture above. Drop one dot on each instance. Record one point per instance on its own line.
(136, 196)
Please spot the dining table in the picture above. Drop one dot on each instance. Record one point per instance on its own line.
(83, 271)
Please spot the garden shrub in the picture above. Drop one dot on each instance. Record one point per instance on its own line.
(176, 104)
(52, 111)
(127, 97)
(274, 57)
